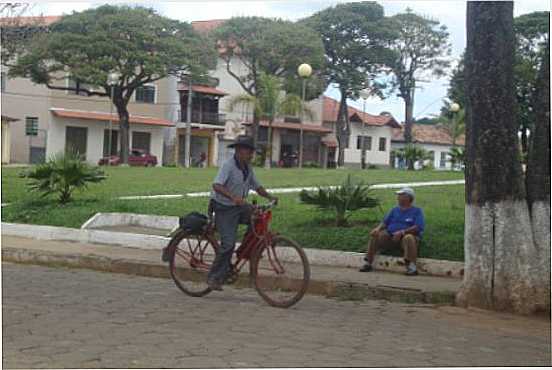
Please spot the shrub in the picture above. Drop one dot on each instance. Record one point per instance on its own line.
(62, 174)
(343, 199)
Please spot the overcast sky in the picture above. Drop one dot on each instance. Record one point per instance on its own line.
(428, 99)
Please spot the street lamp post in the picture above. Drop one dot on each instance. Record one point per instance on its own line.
(304, 71)
(454, 108)
(364, 95)
(112, 80)
(188, 141)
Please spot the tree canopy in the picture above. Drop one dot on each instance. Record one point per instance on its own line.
(273, 46)
(355, 36)
(423, 51)
(135, 42)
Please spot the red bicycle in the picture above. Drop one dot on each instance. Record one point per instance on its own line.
(278, 267)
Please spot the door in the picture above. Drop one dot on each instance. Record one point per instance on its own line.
(75, 140)
(199, 151)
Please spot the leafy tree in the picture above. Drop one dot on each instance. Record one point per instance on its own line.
(532, 39)
(455, 126)
(273, 46)
(344, 200)
(135, 42)
(423, 49)
(354, 37)
(456, 90)
(270, 103)
(62, 174)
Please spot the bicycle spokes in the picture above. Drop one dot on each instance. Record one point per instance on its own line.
(273, 260)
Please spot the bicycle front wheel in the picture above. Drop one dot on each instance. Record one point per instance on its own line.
(280, 272)
(191, 257)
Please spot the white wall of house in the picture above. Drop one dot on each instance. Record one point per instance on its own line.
(95, 137)
(374, 156)
(441, 159)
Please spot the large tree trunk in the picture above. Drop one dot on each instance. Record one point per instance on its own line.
(409, 109)
(498, 238)
(342, 128)
(538, 185)
(124, 130)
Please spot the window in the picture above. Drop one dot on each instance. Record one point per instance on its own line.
(75, 84)
(367, 142)
(145, 94)
(382, 141)
(31, 126)
(3, 81)
(443, 160)
(141, 140)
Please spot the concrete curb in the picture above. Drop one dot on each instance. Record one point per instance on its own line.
(322, 257)
(295, 190)
(330, 289)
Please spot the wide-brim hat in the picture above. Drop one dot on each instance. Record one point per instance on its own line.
(242, 140)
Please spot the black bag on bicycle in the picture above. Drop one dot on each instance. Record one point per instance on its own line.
(193, 223)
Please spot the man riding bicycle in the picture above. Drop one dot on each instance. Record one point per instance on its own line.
(230, 189)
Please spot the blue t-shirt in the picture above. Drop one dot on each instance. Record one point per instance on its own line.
(398, 219)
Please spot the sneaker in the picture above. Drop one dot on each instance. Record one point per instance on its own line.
(213, 285)
(411, 272)
(366, 268)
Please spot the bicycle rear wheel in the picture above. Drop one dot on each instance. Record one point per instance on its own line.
(191, 257)
(281, 272)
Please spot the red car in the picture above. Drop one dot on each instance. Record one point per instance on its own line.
(136, 157)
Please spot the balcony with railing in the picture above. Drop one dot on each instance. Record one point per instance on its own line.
(208, 118)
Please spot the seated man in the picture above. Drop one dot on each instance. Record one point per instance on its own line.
(403, 226)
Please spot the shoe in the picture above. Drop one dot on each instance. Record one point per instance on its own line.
(213, 285)
(411, 272)
(366, 268)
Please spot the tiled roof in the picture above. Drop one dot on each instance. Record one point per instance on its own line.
(296, 126)
(101, 116)
(331, 109)
(207, 26)
(427, 134)
(25, 21)
(201, 89)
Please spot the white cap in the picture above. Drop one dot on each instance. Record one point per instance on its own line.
(407, 191)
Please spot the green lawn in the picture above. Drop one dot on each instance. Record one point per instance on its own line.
(443, 205)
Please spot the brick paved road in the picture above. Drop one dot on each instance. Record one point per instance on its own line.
(78, 318)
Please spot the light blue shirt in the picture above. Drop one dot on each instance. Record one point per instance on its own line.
(238, 181)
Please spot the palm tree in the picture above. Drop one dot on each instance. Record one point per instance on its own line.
(455, 127)
(271, 102)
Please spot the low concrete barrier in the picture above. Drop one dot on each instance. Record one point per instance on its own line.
(321, 257)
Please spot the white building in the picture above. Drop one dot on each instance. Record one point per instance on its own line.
(433, 139)
(375, 131)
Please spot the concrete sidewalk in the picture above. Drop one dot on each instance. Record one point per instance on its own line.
(344, 283)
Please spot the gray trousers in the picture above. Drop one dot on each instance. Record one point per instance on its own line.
(227, 220)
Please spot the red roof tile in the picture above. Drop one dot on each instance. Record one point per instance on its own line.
(27, 21)
(201, 89)
(100, 116)
(427, 134)
(207, 26)
(331, 108)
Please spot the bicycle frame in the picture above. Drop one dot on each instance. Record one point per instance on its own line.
(258, 235)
